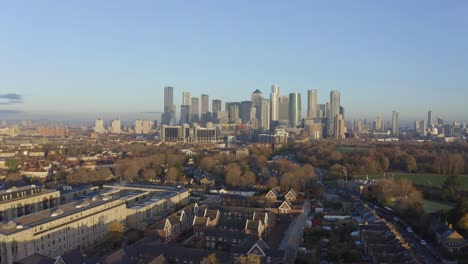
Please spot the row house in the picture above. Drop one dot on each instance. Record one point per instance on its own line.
(174, 225)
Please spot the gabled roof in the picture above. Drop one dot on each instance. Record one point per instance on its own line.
(285, 205)
(292, 192)
(260, 248)
(272, 193)
(200, 221)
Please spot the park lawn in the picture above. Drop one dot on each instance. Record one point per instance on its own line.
(431, 180)
(435, 206)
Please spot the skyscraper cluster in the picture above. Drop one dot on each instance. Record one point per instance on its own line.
(262, 113)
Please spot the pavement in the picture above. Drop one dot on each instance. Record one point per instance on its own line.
(293, 235)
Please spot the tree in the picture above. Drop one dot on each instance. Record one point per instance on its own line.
(116, 230)
(463, 222)
(272, 182)
(207, 163)
(232, 174)
(248, 179)
(450, 188)
(210, 259)
(250, 259)
(12, 164)
(172, 175)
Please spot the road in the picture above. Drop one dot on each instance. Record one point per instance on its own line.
(293, 235)
(424, 253)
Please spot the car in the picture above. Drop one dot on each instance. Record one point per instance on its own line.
(396, 219)
(409, 229)
(423, 242)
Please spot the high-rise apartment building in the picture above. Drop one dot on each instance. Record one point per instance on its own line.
(420, 127)
(312, 104)
(395, 125)
(99, 126)
(116, 126)
(195, 109)
(294, 109)
(274, 102)
(143, 126)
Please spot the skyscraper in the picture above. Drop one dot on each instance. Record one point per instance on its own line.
(378, 124)
(216, 106)
(395, 125)
(116, 126)
(185, 114)
(334, 112)
(185, 98)
(274, 102)
(284, 108)
(430, 121)
(245, 109)
(195, 109)
(312, 104)
(99, 126)
(294, 109)
(168, 116)
(205, 104)
(233, 109)
(265, 116)
(257, 98)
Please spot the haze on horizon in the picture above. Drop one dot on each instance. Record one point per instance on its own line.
(90, 57)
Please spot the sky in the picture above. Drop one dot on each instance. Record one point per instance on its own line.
(85, 58)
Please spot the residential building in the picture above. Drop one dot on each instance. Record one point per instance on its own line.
(265, 116)
(169, 114)
(195, 109)
(274, 102)
(186, 98)
(395, 125)
(334, 112)
(116, 126)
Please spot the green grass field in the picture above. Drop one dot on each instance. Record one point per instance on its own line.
(431, 180)
(434, 206)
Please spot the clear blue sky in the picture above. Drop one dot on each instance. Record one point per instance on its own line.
(116, 56)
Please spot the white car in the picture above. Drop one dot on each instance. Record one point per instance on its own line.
(396, 219)
(409, 229)
(423, 242)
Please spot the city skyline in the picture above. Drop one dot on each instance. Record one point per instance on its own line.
(391, 58)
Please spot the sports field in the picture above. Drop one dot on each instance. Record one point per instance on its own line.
(431, 180)
(434, 206)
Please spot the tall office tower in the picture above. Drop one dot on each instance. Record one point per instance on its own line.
(322, 111)
(205, 104)
(395, 126)
(420, 127)
(216, 106)
(312, 103)
(284, 108)
(274, 102)
(340, 132)
(185, 114)
(185, 98)
(334, 112)
(378, 124)
(99, 126)
(233, 109)
(265, 116)
(440, 121)
(116, 126)
(253, 122)
(244, 111)
(257, 98)
(430, 121)
(294, 109)
(168, 116)
(195, 110)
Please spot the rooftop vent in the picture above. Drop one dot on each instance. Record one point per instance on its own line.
(9, 225)
(57, 212)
